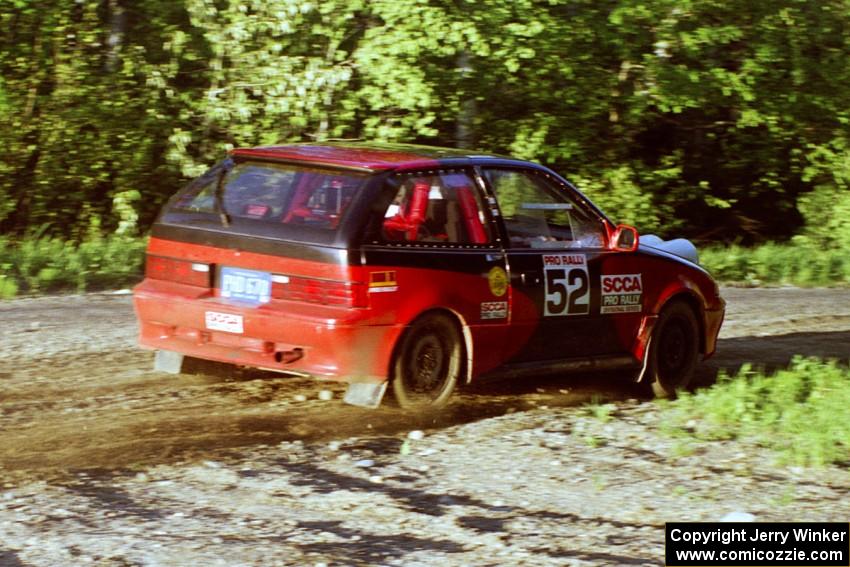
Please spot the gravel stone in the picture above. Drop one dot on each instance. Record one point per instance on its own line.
(104, 461)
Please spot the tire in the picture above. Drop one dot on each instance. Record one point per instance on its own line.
(673, 351)
(428, 363)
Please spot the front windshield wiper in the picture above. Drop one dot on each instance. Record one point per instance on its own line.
(218, 195)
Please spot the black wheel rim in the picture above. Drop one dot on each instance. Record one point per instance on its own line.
(427, 366)
(674, 352)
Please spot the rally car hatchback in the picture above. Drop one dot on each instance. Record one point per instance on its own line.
(414, 267)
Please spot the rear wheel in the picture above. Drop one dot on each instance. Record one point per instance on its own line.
(673, 350)
(428, 364)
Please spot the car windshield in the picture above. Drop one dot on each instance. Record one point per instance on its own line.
(272, 194)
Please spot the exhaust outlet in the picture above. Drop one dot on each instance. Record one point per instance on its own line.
(289, 356)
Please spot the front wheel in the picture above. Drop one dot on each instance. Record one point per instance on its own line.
(673, 350)
(428, 364)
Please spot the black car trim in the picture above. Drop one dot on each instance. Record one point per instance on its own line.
(260, 245)
(432, 258)
(567, 365)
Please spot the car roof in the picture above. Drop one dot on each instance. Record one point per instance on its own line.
(361, 155)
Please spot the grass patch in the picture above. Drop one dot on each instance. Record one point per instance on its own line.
(777, 264)
(600, 410)
(44, 265)
(802, 412)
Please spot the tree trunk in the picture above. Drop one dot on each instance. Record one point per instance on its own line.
(115, 40)
(466, 115)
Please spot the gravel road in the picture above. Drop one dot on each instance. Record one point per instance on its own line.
(105, 462)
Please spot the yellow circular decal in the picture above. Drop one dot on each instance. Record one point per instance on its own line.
(498, 280)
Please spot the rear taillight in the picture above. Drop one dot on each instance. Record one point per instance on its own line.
(325, 292)
(174, 270)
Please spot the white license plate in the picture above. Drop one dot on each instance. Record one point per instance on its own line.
(226, 322)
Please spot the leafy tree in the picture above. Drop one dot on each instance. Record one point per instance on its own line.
(717, 120)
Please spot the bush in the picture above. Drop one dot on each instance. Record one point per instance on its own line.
(44, 265)
(802, 412)
(782, 264)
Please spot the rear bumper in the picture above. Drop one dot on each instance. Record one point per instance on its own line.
(276, 336)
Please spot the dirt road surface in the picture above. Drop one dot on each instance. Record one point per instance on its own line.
(105, 462)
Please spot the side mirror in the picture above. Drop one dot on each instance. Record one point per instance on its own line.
(624, 239)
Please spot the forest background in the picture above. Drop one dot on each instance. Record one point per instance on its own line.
(725, 121)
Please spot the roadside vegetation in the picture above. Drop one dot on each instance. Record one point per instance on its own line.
(801, 412)
(33, 266)
(801, 264)
(44, 265)
(703, 124)
(717, 121)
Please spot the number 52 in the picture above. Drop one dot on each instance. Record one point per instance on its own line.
(567, 291)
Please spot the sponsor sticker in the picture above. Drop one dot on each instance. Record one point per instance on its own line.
(227, 322)
(564, 260)
(621, 293)
(567, 285)
(494, 310)
(497, 279)
(256, 211)
(382, 282)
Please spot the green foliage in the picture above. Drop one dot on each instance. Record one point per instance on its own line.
(802, 412)
(701, 119)
(42, 265)
(82, 126)
(826, 211)
(778, 264)
(599, 410)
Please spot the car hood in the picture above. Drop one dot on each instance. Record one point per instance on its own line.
(678, 247)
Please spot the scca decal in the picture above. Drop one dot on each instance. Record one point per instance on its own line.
(494, 310)
(621, 293)
(618, 284)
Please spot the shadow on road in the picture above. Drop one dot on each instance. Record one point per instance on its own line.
(251, 409)
(491, 399)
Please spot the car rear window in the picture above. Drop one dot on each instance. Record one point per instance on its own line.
(273, 194)
(267, 195)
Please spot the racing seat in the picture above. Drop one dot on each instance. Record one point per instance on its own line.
(298, 210)
(405, 224)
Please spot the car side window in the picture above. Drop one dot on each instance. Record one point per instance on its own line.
(441, 207)
(540, 214)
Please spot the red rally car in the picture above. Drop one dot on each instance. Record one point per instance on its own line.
(414, 267)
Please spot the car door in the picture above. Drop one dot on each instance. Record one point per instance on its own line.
(555, 248)
(435, 235)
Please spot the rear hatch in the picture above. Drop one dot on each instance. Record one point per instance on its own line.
(254, 232)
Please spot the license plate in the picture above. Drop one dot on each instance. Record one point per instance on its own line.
(245, 285)
(227, 322)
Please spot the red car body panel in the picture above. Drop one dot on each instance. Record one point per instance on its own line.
(337, 342)
(356, 342)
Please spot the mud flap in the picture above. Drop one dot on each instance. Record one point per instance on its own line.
(168, 361)
(365, 394)
(645, 365)
(640, 350)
